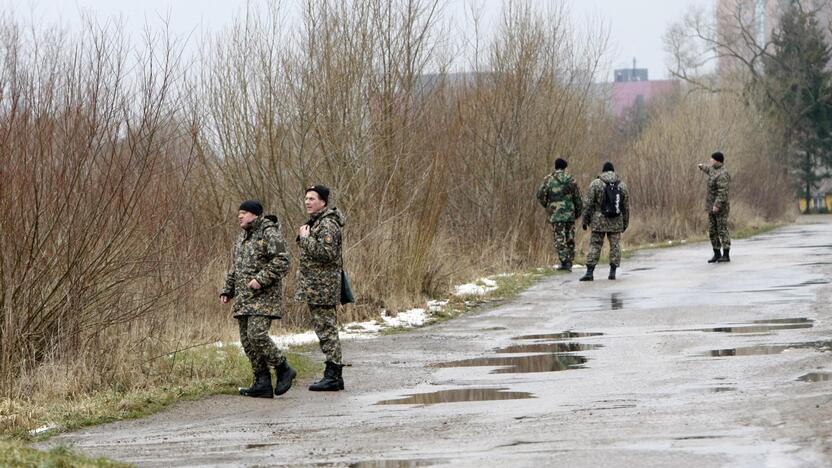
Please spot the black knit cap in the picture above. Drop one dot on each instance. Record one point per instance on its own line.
(718, 157)
(321, 190)
(608, 167)
(252, 206)
(560, 163)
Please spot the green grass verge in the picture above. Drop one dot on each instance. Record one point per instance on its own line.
(16, 454)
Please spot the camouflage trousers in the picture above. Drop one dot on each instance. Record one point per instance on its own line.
(326, 327)
(565, 241)
(261, 351)
(718, 231)
(596, 243)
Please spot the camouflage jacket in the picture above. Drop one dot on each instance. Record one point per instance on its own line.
(319, 270)
(718, 182)
(561, 197)
(259, 253)
(593, 216)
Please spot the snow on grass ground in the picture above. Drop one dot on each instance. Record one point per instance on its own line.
(408, 319)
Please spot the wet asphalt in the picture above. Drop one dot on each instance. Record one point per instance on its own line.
(676, 363)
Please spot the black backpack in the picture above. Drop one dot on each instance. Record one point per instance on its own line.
(611, 203)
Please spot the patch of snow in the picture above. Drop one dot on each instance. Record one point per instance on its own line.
(488, 282)
(43, 429)
(471, 289)
(670, 242)
(436, 306)
(408, 318)
(684, 241)
(296, 339)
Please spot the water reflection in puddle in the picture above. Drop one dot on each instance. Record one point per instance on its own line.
(770, 349)
(458, 395)
(757, 326)
(616, 301)
(521, 364)
(557, 336)
(548, 348)
(815, 377)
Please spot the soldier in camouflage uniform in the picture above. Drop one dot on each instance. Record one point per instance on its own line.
(561, 197)
(319, 279)
(603, 225)
(256, 284)
(718, 207)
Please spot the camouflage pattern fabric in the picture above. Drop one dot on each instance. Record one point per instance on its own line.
(259, 253)
(319, 269)
(718, 184)
(326, 327)
(561, 197)
(593, 216)
(565, 241)
(718, 231)
(596, 243)
(261, 351)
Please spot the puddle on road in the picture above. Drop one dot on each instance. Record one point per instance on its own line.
(458, 395)
(770, 349)
(391, 463)
(558, 336)
(548, 348)
(815, 377)
(521, 364)
(616, 301)
(757, 326)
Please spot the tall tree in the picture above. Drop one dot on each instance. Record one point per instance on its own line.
(800, 88)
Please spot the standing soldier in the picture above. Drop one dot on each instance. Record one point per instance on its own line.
(561, 197)
(319, 279)
(718, 207)
(607, 212)
(256, 283)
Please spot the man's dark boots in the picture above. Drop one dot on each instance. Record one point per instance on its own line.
(332, 381)
(716, 256)
(725, 258)
(285, 374)
(590, 269)
(565, 266)
(262, 387)
(612, 272)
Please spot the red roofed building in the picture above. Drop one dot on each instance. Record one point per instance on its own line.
(632, 89)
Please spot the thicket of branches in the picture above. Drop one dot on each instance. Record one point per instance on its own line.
(122, 166)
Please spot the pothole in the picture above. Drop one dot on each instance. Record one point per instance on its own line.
(567, 347)
(558, 336)
(770, 349)
(756, 326)
(815, 377)
(521, 364)
(458, 395)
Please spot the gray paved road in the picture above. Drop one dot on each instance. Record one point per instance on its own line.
(678, 363)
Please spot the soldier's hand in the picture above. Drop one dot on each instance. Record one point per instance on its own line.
(253, 284)
(304, 231)
(224, 299)
(715, 209)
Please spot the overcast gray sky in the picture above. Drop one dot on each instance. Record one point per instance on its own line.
(636, 26)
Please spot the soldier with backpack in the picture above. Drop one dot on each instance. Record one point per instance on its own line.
(561, 197)
(607, 213)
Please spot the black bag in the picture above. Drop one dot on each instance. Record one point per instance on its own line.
(346, 291)
(611, 203)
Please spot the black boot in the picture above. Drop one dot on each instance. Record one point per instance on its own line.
(590, 269)
(612, 272)
(725, 258)
(716, 256)
(262, 387)
(285, 374)
(565, 266)
(332, 381)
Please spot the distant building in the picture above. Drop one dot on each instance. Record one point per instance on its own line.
(632, 89)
